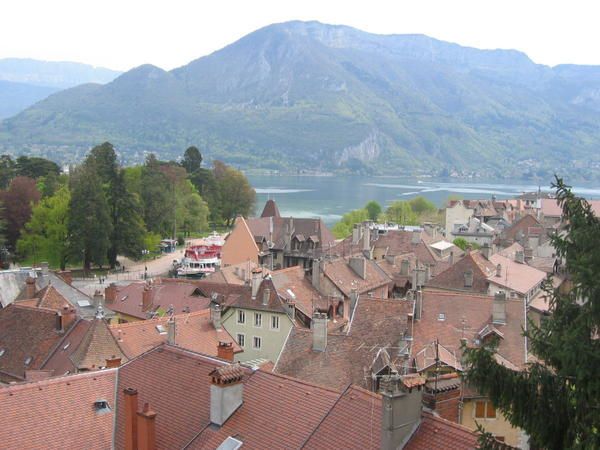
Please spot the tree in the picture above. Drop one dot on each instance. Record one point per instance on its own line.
(192, 213)
(34, 167)
(18, 200)
(556, 400)
(102, 159)
(461, 243)
(192, 160)
(401, 213)
(373, 209)
(7, 171)
(420, 205)
(344, 227)
(236, 195)
(46, 234)
(205, 183)
(156, 197)
(89, 220)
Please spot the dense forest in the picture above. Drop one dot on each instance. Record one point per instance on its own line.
(99, 209)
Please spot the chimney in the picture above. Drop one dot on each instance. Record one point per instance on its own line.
(147, 298)
(66, 276)
(30, 287)
(404, 267)
(130, 418)
(215, 315)
(444, 400)
(486, 251)
(418, 304)
(113, 362)
(256, 279)
(44, 267)
(226, 392)
(290, 308)
(265, 297)
(366, 239)
(319, 331)
(353, 301)
(98, 299)
(468, 278)
(359, 265)
(451, 257)
(171, 331)
(528, 254)
(316, 274)
(356, 234)
(110, 293)
(146, 437)
(416, 236)
(401, 411)
(225, 351)
(520, 257)
(499, 270)
(499, 308)
(427, 273)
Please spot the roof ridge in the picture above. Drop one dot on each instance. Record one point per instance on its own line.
(362, 390)
(446, 422)
(34, 308)
(303, 382)
(57, 380)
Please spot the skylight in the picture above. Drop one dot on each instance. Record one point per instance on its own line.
(441, 317)
(291, 293)
(28, 360)
(83, 303)
(230, 443)
(161, 329)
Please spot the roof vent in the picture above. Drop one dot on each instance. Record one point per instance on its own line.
(83, 303)
(230, 443)
(101, 406)
(28, 360)
(161, 329)
(441, 317)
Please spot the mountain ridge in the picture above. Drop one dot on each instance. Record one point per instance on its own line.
(311, 96)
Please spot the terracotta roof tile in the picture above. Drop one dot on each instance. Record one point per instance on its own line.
(435, 433)
(194, 331)
(518, 277)
(96, 347)
(453, 278)
(345, 278)
(292, 284)
(58, 413)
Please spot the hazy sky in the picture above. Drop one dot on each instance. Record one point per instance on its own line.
(122, 34)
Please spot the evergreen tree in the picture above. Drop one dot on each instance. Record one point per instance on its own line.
(557, 399)
(89, 220)
(192, 160)
(156, 197)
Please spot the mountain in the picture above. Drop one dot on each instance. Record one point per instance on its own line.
(59, 75)
(15, 97)
(305, 95)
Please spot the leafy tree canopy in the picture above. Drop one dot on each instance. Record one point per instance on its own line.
(373, 210)
(192, 160)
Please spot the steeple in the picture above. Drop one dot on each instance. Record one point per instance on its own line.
(270, 209)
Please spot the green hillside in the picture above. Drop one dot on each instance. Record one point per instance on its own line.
(304, 95)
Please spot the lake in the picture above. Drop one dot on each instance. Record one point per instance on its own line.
(329, 197)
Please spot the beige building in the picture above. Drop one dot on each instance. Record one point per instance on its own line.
(260, 321)
(240, 246)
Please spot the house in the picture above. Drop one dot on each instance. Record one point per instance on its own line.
(258, 319)
(470, 274)
(199, 331)
(444, 322)
(513, 276)
(276, 242)
(475, 231)
(527, 231)
(375, 341)
(239, 274)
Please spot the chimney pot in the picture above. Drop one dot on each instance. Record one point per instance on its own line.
(499, 308)
(110, 293)
(316, 274)
(319, 331)
(498, 270)
(130, 418)
(215, 315)
(30, 287)
(256, 279)
(171, 331)
(146, 429)
(226, 392)
(147, 298)
(225, 351)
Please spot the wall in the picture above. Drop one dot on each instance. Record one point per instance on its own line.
(239, 246)
(456, 214)
(498, 426)
(272, 340)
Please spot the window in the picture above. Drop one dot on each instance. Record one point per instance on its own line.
(241, 339)
(274, 322)
(241, 316)
(484, 410)
(257, 343)
(258, 320)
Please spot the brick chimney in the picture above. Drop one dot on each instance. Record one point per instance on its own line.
(146, 429)
(215, 315)
(256, 279)
(499, 308)
(68, 316)
(110, 293)
(359, 265)
(225, 351)
(131, 407)
(401, 411)
(451, 257)
(30, 287)
(319, 331)
(442, 395)
(226, 392)
(171, 331)
(147, 298)
(113, 362)
(98, 299)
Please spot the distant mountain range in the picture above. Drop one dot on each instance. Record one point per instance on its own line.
(24, 82)
(305, 95)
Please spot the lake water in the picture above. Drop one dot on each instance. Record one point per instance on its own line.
(329, 197)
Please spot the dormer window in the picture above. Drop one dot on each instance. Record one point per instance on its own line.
(161, 329)
(101, 406)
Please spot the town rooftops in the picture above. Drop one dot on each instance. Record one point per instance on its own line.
(518, 277)
(374, 324)
(65, 412)
(469, 274)
(341, 273)
(292, 285)
(194, 331)
(270, 209)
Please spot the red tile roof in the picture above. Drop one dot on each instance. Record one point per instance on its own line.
(348, 357)
(464, 316)
(96, 347)
(518, 277)
(58, 413)
(193, 331)
(453, 278)
(292, 284)
(26, 332)
(345, 278)
(435, 433)
(60, 361)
